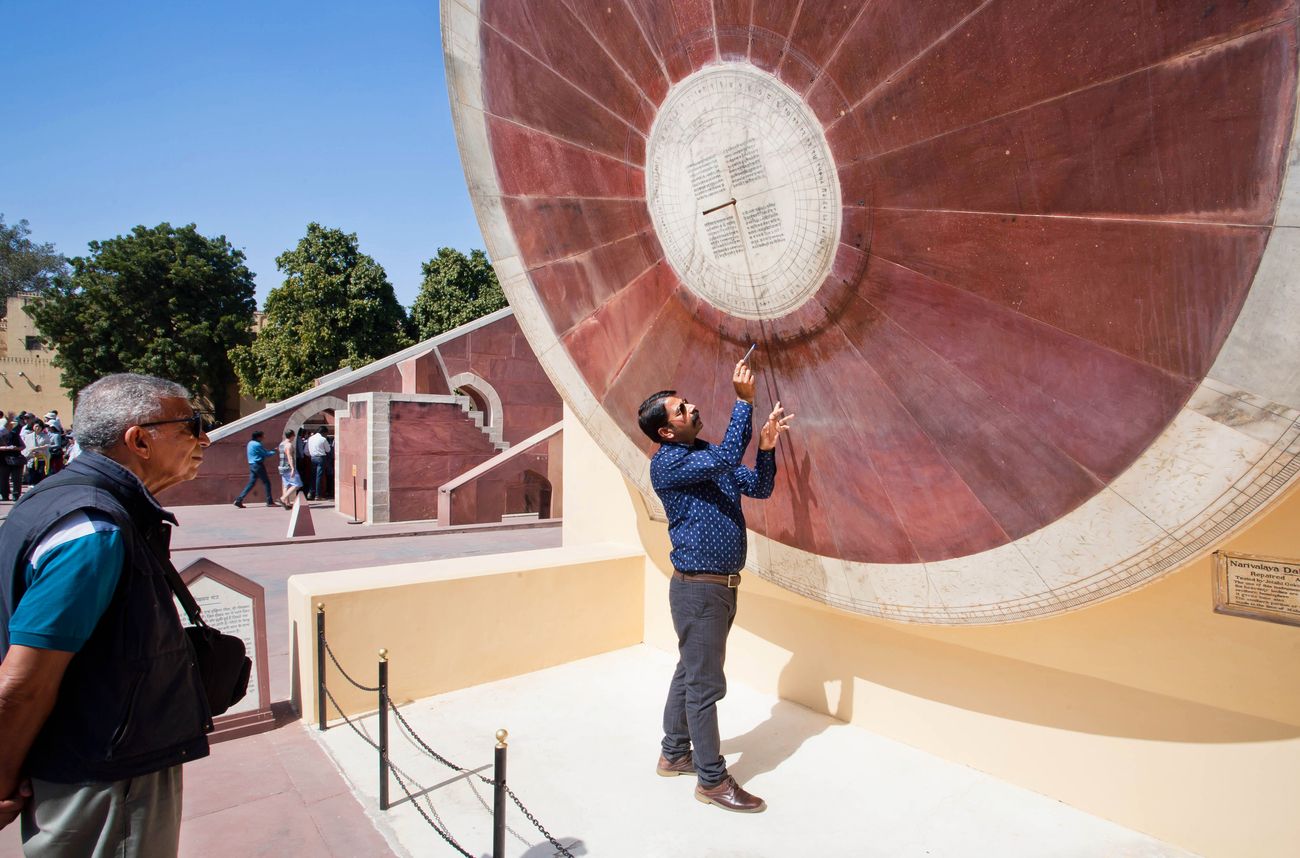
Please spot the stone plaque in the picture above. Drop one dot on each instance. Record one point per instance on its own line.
(743, 191)
(1262, 588)
(235, 605)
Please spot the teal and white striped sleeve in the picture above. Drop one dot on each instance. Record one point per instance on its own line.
(70, 578)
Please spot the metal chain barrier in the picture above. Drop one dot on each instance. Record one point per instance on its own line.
(445, 835)
(334, 659)
(424, 746)
(413, 736)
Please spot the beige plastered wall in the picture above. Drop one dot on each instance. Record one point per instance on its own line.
(453, 623)
(1149, 709)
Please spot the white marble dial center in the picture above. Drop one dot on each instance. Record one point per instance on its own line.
(743, 191)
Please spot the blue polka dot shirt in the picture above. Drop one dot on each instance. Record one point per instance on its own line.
(700, 486)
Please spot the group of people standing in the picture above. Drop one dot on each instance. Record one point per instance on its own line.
(306, 464)
(31, 448)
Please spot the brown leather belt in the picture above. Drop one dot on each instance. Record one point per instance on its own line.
(732, 581)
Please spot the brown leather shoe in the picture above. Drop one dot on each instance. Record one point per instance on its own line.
(729, 796)
(683, 765)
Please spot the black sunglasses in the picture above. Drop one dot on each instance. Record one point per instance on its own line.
(198, 423)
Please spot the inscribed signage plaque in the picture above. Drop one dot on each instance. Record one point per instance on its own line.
(235, 605)
(1261, 588)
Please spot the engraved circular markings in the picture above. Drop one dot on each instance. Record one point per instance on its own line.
(743, 191)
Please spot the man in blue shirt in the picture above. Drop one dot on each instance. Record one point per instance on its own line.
(700, 485)
(257, 452)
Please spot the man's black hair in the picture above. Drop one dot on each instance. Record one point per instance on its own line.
(258, 434)
(652, 416)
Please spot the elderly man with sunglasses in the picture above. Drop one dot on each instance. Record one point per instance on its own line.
(100, 702)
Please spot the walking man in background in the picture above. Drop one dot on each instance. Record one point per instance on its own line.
(100, 702)
(257, 454)
(318, 447)
(700, 485)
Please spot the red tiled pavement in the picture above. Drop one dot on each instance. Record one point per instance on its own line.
(276, 793)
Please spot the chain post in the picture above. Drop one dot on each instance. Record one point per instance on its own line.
(320, 666)
(499, 798)
(383, 729)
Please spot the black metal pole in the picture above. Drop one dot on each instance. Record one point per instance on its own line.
(356, 513)
(320, 665)
(383, 729)
(499, 798)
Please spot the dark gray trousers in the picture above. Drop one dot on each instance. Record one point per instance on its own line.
(702, 616)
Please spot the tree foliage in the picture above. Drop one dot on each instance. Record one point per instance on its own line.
(26, 266)
(336, 308)
(162, 301)
(456, 289)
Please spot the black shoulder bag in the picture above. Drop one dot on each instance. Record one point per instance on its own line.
(223, 663)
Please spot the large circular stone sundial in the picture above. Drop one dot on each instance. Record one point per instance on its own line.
(742, 191)
(1027, 279)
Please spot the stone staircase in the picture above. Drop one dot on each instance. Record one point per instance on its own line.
(478, 417)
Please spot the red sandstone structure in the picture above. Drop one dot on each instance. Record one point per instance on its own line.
(1006, 260)
(409, 423)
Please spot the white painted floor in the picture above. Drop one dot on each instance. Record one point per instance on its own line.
(584, 738)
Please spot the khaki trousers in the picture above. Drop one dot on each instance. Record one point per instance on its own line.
(134, 818)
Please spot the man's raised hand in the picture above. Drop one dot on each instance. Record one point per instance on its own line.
(742, 379)
(777, 422)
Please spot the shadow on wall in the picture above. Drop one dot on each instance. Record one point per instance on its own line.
(821, 673)
(821, 677)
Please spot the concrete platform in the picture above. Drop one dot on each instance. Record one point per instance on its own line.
(583, 743)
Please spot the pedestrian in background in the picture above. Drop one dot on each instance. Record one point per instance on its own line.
(36, 448)
(12, 462)
(290, 478)
(257, 456)
(318, 447)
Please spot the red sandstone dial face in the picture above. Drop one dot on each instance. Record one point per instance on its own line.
(990, 253)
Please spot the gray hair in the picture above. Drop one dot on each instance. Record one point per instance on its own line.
(108, 407)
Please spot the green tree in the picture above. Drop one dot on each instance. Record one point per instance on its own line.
(162, 301)
(336, 308)
(26, 266)
(456, 289)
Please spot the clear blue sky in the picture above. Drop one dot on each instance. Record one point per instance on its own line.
(247, 119)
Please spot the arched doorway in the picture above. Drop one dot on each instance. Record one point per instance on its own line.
(319, 413)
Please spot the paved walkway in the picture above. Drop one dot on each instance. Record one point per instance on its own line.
(278, 793)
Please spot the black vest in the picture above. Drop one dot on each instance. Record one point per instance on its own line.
(131, 701)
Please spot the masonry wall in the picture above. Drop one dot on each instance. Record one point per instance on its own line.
(429, 444)
(1149, 709)
(495, 351)
(505, 489)
(499, 353)
(352, 452)
(224, 470)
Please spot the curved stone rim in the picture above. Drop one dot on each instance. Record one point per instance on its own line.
(1244, 412)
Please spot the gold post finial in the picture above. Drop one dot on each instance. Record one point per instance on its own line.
(383, 654)
(320, 607)
(501, 737)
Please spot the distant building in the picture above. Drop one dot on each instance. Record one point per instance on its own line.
(29, 381)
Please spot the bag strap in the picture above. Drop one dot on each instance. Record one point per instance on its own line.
(174, 581)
